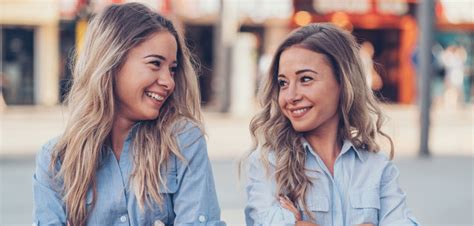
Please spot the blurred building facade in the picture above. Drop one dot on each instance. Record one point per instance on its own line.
(232, 40)
(30, 51)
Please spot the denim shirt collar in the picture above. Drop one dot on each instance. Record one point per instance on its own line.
(133, 130)
(346, 147)
(107, 150)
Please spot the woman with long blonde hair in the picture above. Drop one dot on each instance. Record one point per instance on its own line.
(315, 160)
(133, 150)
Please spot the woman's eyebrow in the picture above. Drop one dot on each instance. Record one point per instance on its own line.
(305, 70)
(156, 56)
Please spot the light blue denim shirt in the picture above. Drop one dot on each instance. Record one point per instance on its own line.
(364, 189)
(190, 198)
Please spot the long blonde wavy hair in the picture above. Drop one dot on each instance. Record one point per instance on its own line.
(110, 36)
(360, 116)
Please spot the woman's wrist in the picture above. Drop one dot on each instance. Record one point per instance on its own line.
(304, 223)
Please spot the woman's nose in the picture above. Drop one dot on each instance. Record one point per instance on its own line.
(166, 80)
(293, 94)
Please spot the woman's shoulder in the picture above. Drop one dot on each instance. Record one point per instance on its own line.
(187, 131)
(259, 157)
(374, 159)
(254, 155)
(185, 126)
(43, 156)
(374, 156)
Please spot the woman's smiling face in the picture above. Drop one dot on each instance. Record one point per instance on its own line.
(309, 92)
(146, 78)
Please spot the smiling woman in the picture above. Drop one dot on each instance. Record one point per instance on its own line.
(145, 80)
(315, 160)
(308, 87)
(133, 150)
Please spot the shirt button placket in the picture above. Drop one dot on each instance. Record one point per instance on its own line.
(202, 219)
(123, 218)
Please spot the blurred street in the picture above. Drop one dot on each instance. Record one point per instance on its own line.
(440, 188)
(414, 52)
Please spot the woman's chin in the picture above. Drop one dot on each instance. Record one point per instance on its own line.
(150, 115)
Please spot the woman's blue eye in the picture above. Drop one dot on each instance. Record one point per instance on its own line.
(281, 83)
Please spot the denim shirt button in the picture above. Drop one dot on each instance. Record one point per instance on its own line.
(202, 218)
(123, 218)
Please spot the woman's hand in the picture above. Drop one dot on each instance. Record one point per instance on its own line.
(286, 203)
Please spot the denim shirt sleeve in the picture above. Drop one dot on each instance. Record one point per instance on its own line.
(195, 201)
(49, 209)
(393, 207)
(262, 207)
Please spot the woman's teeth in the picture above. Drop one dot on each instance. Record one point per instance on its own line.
(154, 96)
(300, 111)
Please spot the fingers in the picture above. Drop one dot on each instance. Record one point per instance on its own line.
(287, 204)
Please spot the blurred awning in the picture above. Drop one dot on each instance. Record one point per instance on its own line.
(28, 12)
(257, 11)
(391, 7)
(450, 14)
(69, 9)
(457, 14)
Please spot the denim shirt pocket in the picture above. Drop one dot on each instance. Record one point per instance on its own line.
(365, 206)
(161, 213)
(171, 182)
(319, 207)
(156, 212)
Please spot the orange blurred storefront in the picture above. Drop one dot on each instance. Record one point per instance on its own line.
(391, 27)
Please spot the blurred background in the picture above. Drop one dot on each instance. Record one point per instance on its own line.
(418, 55)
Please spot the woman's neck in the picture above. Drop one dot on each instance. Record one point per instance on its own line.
(325, 142)
(120, 129)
